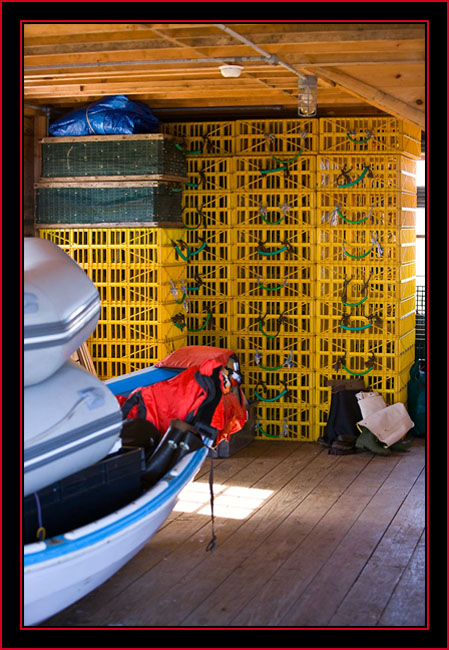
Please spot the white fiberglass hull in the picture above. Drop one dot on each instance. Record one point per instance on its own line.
(61, 571)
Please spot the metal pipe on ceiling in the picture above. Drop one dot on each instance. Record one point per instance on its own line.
(273, 59)
(227, 59)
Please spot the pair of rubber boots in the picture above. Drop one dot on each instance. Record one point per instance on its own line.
(367, 441)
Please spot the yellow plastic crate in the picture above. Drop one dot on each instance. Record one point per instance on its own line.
(117, 247)
(381, 320)
(204, 138)
(206, 280)
(256, 173)
(209, 174)
(285, 423)
(366, 209)
(365, 245)
(369, 134)
(206, 210)
(211, 338)
(266, 245)
(112, 359)
(207, 245)
(360, 356)
(284, 353)
(206, 314)
(278, 281)
(366, 172)
(386, 282)
(271, 318)
(287, 209)
(279, 388)
(285, 138)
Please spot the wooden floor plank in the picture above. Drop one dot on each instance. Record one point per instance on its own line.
(367, 598)
(337, 574)
(301, 558)
(172, 583)
(176, 548)
(293, 577)
(407, 605)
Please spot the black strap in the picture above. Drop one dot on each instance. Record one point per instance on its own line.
(135, 398)
(210, 547)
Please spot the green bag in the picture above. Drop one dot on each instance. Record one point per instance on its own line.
(416, 397)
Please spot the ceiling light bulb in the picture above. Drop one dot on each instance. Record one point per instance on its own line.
(307, 96)
(231, 70)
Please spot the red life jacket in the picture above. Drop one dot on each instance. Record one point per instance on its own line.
(204, 393)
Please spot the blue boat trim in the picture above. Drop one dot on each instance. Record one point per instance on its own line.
(66, 547)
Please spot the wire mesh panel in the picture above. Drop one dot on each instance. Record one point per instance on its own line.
(109, 202)
(99, 156)
(420, 323)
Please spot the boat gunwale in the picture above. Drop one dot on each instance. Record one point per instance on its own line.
(175, 482)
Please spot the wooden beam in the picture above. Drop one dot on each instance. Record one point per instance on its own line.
(372, 95)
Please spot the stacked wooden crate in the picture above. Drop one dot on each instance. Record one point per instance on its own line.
(114, 204)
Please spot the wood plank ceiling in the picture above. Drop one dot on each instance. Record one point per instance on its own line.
(364, 68)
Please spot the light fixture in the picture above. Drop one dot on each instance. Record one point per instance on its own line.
(307, 96)
(229, 70)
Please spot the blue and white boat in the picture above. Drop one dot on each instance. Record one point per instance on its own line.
(63, 569)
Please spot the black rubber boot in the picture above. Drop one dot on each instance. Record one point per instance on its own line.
(367, 441)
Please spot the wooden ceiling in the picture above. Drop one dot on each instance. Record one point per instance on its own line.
(364, 68)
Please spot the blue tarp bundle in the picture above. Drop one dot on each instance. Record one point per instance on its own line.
(111, 115)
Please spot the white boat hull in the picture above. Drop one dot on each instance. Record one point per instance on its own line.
(61, 308)
(60, 572)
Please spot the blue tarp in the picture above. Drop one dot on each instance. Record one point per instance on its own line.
(111, 115)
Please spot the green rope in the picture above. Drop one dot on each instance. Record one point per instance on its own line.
(280, 286)
(357, 180)
(359, 141)
(357, 257)
(355, 329)
(269, 336)
(270, 171)
(354, 304)
(179, 302)
(271, 399)
(186, 259)
(281, 250)
(198, 250)
(273, 223)
(188, 153)
(355, 220)
(357, 373)
(286, 162)
(203, 326)
(269, 435)
(270, 369)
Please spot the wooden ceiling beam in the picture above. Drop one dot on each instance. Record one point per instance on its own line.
(373, 96)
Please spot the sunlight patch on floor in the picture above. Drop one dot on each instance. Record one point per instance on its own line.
(230, 501)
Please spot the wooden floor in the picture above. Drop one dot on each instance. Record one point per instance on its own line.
(304, 539)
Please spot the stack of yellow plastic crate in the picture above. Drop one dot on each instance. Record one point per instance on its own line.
(273, 278)
(133, 261)
(206, 242)
(366, 201)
